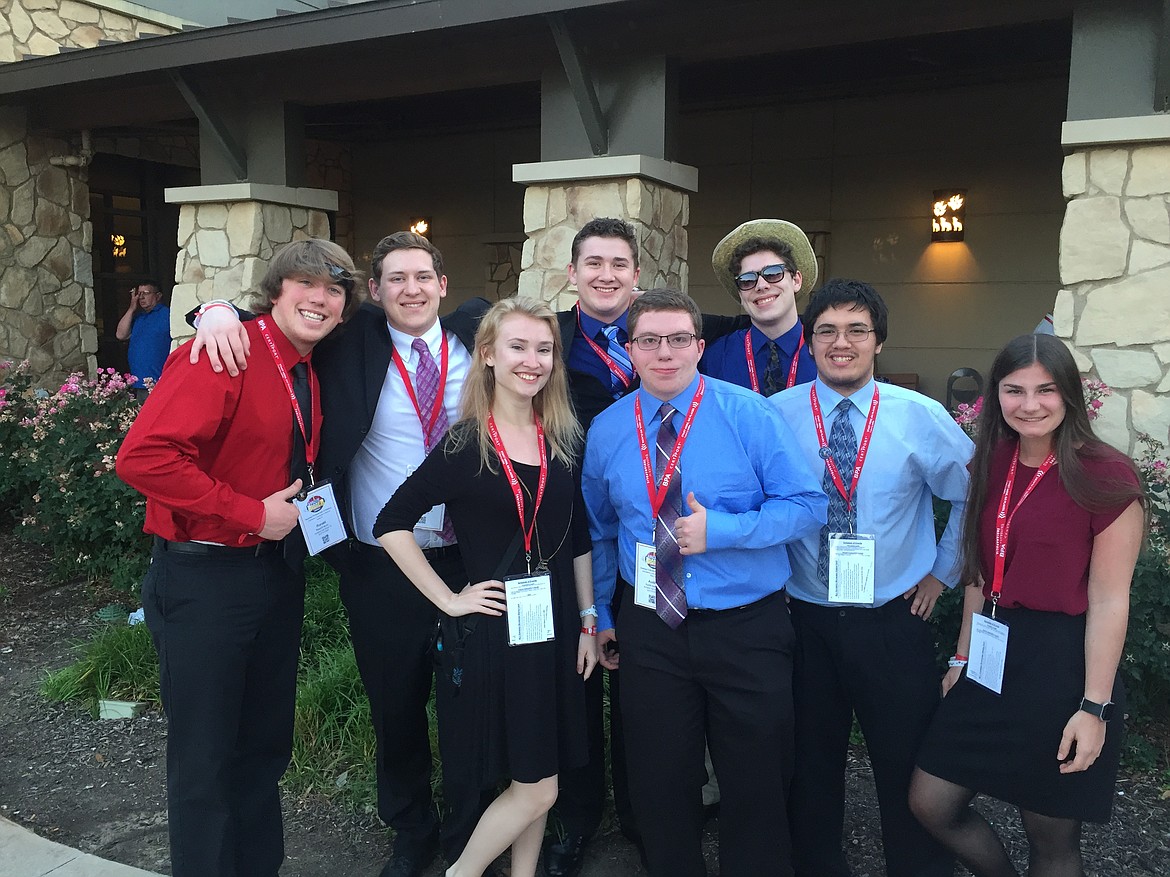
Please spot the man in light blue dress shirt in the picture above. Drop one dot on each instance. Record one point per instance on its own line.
(721, 673)
(868, 652)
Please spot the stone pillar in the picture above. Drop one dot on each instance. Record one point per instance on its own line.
(1114, 311)
(46, 274)
(651, 194)
(228, 234)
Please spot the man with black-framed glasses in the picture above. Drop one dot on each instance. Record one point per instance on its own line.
(693, 491)
(764, 265)
(863, 588)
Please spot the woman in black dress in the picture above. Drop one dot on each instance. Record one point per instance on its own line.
(1055, 521)
(513, 707)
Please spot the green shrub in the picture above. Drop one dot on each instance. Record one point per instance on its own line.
(17, 405)
(57, 471)
(1146, 662)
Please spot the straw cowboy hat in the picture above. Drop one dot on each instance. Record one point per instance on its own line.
(780, 229)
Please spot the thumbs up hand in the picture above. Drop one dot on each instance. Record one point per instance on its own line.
(691, 529)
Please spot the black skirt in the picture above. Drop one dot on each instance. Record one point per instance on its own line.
(1005, 745)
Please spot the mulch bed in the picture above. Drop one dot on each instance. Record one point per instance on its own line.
(100, 785)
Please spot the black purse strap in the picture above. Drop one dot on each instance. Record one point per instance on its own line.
(473, 620)
(509, 556)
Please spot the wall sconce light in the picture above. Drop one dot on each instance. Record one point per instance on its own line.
(421, 225)
(949, 218)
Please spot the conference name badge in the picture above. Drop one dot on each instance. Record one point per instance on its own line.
(320, 518)
(988, 652)
(851, 568)
(530, 614)
(645, 581)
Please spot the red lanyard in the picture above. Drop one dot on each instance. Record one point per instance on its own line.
(429, 422)
(617, 370)
(514, 481)
(310, 456)
(751, 362)
(1003, 520)
(862, 449)
(657, 498)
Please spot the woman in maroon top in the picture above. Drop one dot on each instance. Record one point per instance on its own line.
(1056, 518)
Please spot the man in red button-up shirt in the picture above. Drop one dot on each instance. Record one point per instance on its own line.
(224, 596)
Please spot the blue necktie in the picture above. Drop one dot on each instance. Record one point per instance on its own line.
(617, 352)
(842, 517)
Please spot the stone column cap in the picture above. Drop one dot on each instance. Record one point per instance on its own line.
(672, 173)
(1127, 129)
(314, 199)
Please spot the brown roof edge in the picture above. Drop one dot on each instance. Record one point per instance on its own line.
(337, 25)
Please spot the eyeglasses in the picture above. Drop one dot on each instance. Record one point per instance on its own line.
(339, 275)
(771, 274)
(677, 340)
(828, 334)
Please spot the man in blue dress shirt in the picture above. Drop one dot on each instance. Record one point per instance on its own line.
(711, 659)
(764, 265)
(862, 591)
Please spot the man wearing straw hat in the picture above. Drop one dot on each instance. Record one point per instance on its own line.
(764, 264)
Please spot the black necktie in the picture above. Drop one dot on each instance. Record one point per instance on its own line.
(772, 381)
(300, 382)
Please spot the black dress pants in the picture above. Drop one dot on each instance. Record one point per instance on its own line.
(581, 800)
(724, 677)
(391, 625)
(879, 664)
(227, 628)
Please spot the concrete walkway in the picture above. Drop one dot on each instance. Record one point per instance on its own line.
(24, 854)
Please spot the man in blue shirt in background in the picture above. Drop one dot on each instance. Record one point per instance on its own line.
(863, 588)
(147, 326)
(764, 265)
(705, 634)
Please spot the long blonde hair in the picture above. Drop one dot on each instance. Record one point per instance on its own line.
(562, 432)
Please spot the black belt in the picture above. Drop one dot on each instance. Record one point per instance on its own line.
(431, 554)
(896, 606)
(202, 549)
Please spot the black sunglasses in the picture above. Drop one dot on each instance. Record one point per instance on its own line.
(339, 275)
(771, 274)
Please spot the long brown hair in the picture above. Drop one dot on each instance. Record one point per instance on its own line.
(562, 432)
(1073, 441)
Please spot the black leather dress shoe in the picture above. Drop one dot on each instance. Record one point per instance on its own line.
(410, 860)
(564, 858)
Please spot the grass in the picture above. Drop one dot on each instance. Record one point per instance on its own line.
(117, 664)
(333, 740)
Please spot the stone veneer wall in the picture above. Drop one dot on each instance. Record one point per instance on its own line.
(46, 274)
(39, 27)
(225, 248)
(1115, 265)
(503, 269)
(554, 213)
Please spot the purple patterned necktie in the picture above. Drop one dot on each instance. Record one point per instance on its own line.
(426, 389)
(670, 600)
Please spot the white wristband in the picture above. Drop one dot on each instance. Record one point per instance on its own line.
(215, 303)
(592, 610)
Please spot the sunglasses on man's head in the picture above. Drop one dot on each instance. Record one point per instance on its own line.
(339, 275)
(770, 273)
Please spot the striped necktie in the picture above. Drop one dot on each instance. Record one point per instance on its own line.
(617, 352)
(670, 600)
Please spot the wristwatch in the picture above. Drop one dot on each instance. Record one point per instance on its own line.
(1103, 711)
